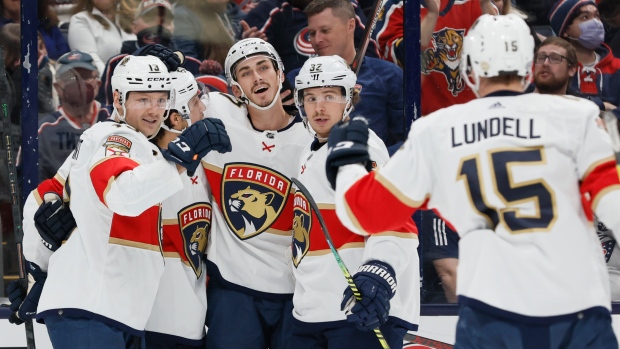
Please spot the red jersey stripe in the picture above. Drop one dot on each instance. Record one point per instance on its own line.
(105, 172)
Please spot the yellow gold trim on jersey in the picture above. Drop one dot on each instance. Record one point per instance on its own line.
(514, 185)
(595, 165)
(326, 206)
(172, 255)
(602, 193)
(211, 167)
(353, 219)
(135, 244)
(170, 221)
(107, 189)
(343, 247)
(483, 195)
(59, 178)
(397, 193)
(279, 232)
(398, 235)
(37, 197)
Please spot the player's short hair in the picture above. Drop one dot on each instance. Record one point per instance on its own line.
(342, 9)
(571, 53)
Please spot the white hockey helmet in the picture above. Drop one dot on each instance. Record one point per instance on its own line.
(247, 48)
(325, 71)
(184, 88)
(139, 74)
(495, 46)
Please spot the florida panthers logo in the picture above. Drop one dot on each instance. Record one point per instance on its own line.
(252, 198)
(443, 57)
(302, 223)
(195, 224)
(302, 43)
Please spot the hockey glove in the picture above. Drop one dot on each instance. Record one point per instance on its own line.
(347, 144)
(172, 59)
(24, 304)
(54, 222)
(376, 283)
(195, 142)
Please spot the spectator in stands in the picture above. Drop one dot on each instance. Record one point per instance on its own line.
(77, 82)
(555, 64)
(99, 27)
(286, 29)
(10, 42)
(48, 25)
(331, 27)
(202, 29)
(442, 85)
(610, 13)
(48, 100)
(598, 71)
(153, 24)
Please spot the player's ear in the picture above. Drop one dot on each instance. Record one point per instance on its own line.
(175, 119)
(236, 91)
(351, 24)
(117, 97)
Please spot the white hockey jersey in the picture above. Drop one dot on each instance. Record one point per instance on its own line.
(111, 265)
(180, 305)
(252, 202)
(508, 172)
(319, 282)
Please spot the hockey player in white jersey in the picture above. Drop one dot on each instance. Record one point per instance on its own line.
(178, 315)
(518, 176)
(325, 94)
(100, 286)
(250, 286)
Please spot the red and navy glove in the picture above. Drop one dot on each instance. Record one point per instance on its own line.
(195, 142)
(376, 282)
(347, 144)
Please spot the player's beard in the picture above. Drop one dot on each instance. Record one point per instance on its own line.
(551, 85)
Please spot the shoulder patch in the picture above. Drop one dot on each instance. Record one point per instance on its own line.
(118, 142)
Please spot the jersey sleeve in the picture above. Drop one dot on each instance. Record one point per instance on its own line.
(34, 249)
(127, 184)
(392, 192)
(596, 166)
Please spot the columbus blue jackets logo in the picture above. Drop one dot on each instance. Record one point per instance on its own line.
(302, 224)
(195, 224)
(253, 197)
(443, 57)
(302, 43)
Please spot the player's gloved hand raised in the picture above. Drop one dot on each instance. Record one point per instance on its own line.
(347, 144)
(195, 142)
(172, 59)
(54, 222)
(24, 306)
(376, 283)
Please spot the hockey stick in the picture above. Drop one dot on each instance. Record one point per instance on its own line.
(370, 27)
(343, 267)
(15, 206)
(427, 342)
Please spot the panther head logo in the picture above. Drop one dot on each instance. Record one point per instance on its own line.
(198, 242)
(254, 207)
(444, 57)
(300, 238)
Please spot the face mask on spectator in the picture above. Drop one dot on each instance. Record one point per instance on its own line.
(78, 93)
(592, 34)
(152, 35)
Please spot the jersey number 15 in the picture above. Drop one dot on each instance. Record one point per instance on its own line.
(510, 193)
